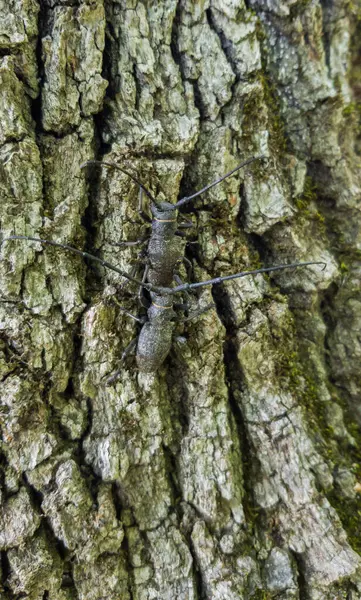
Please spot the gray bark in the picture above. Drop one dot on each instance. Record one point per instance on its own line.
(233, 472)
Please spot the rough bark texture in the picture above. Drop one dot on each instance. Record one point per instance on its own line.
(234, 472)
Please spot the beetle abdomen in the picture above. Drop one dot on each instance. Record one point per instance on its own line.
(154, 343)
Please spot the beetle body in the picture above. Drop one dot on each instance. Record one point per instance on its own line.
(155, 338)
(165, 251)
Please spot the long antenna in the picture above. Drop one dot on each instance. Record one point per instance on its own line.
(105, 263)
(217, 280)
(101, 163)
(210, 185)
(156, 288)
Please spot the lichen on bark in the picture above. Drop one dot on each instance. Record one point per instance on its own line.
(233, 472)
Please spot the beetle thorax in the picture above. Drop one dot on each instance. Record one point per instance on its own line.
(164, 211)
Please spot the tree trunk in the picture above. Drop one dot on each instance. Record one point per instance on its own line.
(233, 472)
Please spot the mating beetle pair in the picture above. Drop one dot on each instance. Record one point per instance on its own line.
(164, 252)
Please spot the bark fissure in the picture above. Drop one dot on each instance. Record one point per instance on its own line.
(232, 472)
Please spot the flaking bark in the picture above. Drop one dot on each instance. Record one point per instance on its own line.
(232, 473)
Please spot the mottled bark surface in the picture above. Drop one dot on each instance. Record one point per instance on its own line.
(234, 472)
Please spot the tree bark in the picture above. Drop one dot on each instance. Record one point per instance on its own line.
(233, 472)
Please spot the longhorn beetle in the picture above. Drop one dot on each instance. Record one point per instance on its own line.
(165, 250)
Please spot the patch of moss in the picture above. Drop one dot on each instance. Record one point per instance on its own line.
(343, 267)
(303, 386)
(352, 108)
(292, 369)
(261, 595)
(276, 125)
(352, 112)
(299, 8)
(306, 203)
(254, 104)
(353, 7)
(297, 375)
(310, 191)
(349, 512)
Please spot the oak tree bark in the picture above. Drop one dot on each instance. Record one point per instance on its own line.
(233, 472)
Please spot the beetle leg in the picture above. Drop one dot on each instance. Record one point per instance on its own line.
(196, 313)
(187, 225)
(133, 243)
(178, 280)
(126, 352)
(141, 212)
(181, 306)
(188, 266)
(141, 297)
(124, 284)
(141, 320)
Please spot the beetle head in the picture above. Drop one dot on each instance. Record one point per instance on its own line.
(164, 211)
